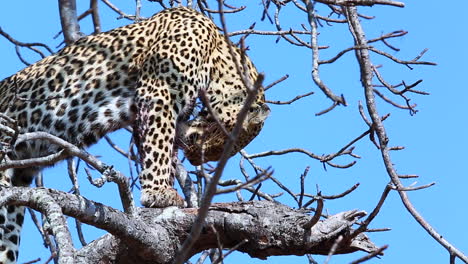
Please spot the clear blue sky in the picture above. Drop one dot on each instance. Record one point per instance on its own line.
(435, 138)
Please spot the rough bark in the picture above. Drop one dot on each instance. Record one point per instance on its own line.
(261, 228)
(69, 21)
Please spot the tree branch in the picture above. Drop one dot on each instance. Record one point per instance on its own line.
(154, 234)
(366, 66)
(69, 21)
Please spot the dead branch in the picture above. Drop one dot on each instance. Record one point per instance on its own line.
(153, 235)
(69, 149)
(362, 2)
(276, 82)
(32, 46)
(188, 188)
(370, 255)
(323, 158)
(69, 21)
(337, 100)
(49, 207)
(365, 64)
(289, 101)
(118, 11)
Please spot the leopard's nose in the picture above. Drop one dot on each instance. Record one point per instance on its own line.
(266, 109)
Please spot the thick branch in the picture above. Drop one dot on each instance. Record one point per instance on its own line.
(154, 235)
(69, 21)
(132, 231)
(72, 150)
(50, 208)
(269, 228)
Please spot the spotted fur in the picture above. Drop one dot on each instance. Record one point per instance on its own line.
(147, 75)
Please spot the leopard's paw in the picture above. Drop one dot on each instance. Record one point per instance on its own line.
(161, 198)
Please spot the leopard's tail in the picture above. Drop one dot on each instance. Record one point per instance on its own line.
(11, 221)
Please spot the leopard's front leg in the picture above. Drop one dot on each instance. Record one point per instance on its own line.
(159, 106)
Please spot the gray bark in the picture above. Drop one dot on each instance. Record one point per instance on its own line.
(262, 229)
(69, 21)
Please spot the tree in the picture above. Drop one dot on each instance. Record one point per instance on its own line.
(368, 50)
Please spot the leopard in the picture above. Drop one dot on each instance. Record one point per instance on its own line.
(149, 76)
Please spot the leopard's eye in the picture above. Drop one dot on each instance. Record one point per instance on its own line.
(254, 109)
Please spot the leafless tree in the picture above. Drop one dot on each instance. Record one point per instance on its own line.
(259, 224)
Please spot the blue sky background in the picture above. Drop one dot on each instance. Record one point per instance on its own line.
(435, 138)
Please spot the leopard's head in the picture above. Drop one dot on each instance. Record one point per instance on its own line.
(202, 139)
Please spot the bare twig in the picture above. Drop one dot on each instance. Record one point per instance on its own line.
(188, 188)
(267, 33)
(290, 101)
(118, 149)
(337, 100)
(303, 176)
(276, 82)
(363, 58)
(362, 2)
(317, 215)
(206, 103)
(333, 249)
(255, 180)
(118, 11)
(370, 255)
(32, 261)
(406, 189)
(343, 194)
(32, 46)
(47, 242)
(71, 150)
(234, 248)
(299, 150)
(374, 212)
